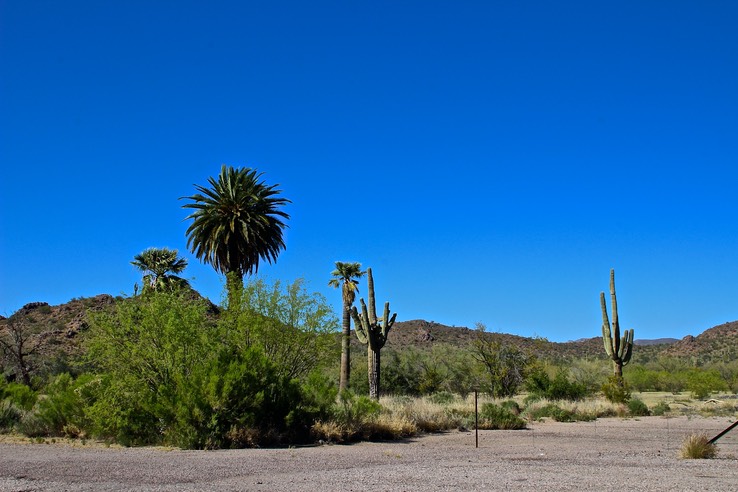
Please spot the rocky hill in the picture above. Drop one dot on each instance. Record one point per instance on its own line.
(57, 331)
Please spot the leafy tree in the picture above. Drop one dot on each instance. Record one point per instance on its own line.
(346, 276)
(160, 267)
(293, 327)
(236, 223)
(506, 365)
(166, 374)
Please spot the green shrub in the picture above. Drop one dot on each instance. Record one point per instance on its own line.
(19, 394)
(512, 406)
(183, 381)
(637, 408)
(442, 397)
(540, 385)
(10, 415)
(703, 382)
(616, 390)
(661, 408)
(494, 416)
(552, 411)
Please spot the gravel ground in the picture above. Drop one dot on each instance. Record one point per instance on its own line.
(609, 454)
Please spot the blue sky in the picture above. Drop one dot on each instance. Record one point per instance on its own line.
(491, 161)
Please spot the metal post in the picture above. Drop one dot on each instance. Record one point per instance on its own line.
(732, 426)
(476, 420)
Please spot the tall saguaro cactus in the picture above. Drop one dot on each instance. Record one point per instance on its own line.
(373, 332)
(617, 348)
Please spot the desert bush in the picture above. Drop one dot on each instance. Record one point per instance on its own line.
(660, 409)
(10, 415)
(19, 395)
(493, 416)
(294, 328)
(442, 397)
(703, 382)
(636, 408)
(506, 366)
(552, 411)
(512, 406)
(616, 390)
(568, 411)
(698, 446)
(60, 408)
(540, 385)
(169, 376)
(353, 417)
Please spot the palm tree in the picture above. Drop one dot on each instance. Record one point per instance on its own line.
(236, 223)
(346, 276)
(160, 267)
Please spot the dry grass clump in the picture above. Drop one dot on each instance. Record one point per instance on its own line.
(425, 414)
(573, 411)
(698, 446)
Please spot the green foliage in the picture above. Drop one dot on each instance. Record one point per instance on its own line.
(637, 408)
(294, 328)
(616, 390)
(10, 415)
(61, 409)
(493, 416)
(442, 397)
(414, 371)
(660, 409)
(552, 411)
(703, 382)
(159, 266)
(237, 222)
(540, 385)
(19, 395)
(506, 365)
(353, 410)
(169, 376)
(512, 406)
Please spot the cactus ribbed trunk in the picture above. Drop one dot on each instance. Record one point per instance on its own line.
(373, 332)
(373, 368)
(619, 349)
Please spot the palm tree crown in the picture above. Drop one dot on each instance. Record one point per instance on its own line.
(346, 275)
(237, 222)
(160, 267)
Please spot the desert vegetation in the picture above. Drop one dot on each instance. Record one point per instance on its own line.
(272, 365)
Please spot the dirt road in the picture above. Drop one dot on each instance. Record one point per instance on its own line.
(609, 454)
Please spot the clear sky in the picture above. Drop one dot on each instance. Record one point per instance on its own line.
(491, 161)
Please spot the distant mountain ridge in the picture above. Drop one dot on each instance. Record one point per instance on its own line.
(62, 326)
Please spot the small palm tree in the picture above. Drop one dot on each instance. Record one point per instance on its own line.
(346, 276)
(160, 267)
(236, 222)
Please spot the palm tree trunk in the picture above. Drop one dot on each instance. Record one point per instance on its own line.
(234, 288)
(343, 383)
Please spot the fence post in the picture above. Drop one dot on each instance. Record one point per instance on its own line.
(476, 420)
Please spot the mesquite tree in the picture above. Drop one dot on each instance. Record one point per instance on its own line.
(373, 332)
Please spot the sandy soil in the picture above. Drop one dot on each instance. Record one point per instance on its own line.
(609, 454)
